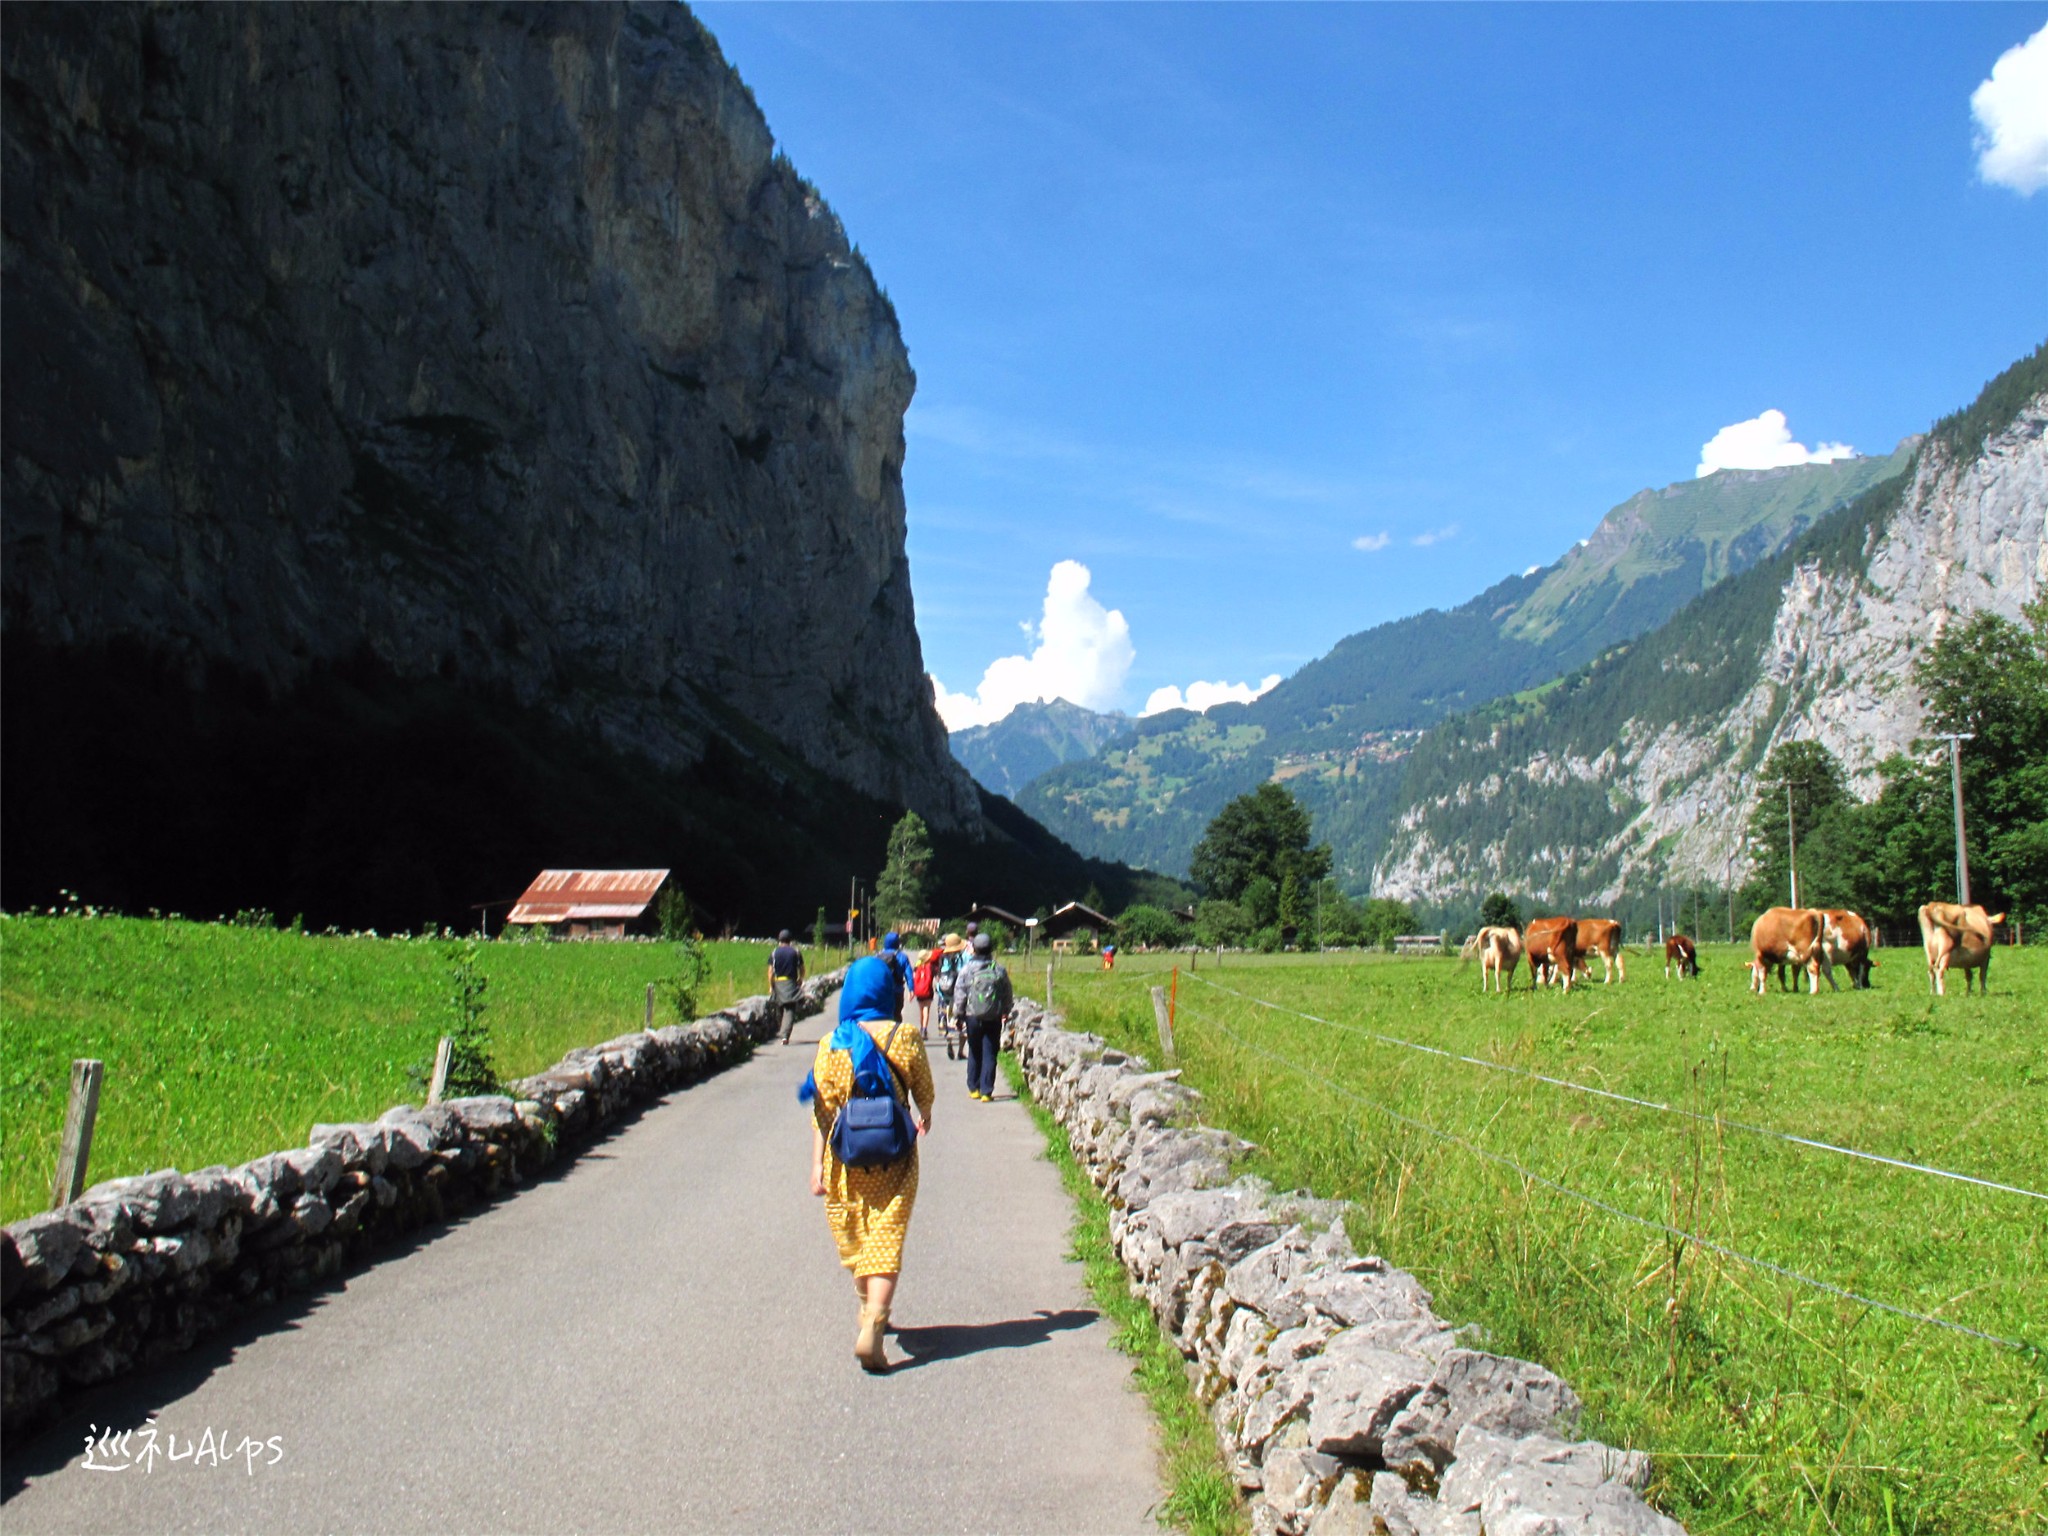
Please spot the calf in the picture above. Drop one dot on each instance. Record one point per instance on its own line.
(1552, 946)
(1956, 937)
(1784, 936)
(1848, 945)
(1602, 936)
(1679, 951)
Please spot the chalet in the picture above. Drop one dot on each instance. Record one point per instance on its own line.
(586, 903)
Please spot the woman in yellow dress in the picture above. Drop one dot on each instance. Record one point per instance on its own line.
(868, 1208)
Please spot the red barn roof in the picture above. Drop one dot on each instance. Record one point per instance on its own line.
(560, 895)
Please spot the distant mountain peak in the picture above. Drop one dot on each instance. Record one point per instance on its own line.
(1032, 739)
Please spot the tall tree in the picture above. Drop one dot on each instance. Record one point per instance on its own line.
(1801, 777)
(1262, 835)
(1989, 676)
(904, 887)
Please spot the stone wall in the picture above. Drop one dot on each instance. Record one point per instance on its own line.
(1344, 1404)
(141, 1268)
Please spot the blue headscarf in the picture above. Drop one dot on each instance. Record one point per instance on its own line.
(871, 991)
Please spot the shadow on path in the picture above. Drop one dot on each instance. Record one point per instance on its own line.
(950, 1341)
(129, 1399)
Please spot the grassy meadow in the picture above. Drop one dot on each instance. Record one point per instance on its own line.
(1770, 1405)
(222, 1043)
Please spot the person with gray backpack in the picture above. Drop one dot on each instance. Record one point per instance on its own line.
(982, 999)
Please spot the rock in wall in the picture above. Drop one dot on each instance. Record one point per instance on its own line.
(1343, 1404)
(495, 344)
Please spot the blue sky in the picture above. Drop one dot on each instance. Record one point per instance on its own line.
(1282, 321)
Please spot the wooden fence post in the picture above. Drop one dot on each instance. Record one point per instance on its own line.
(1165, 1023)
(1048, 984)
(444, 1053)
(650, 1005)
(75, 1150)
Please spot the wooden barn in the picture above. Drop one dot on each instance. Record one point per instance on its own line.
(586, 903)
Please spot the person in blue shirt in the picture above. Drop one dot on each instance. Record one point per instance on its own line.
(899, 969)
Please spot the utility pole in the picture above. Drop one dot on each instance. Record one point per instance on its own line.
(1792, 845)
(1955, 739)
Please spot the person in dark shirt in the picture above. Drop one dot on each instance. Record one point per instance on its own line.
(899, 967)
(785, 978)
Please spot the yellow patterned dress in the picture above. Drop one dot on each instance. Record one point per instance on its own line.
(869, 1208)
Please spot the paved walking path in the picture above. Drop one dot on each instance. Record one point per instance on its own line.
(661, 1339)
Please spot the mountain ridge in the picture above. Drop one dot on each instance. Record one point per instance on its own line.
(1638, 769)
(1036, 736)
(1338, 728)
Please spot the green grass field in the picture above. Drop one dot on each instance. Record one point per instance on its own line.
(222, 1043)
(1770, 1405)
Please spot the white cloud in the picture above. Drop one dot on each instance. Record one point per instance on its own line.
(1083, 654)
(1200, 696)
(1369, 542)
(1764, 442)
(1435, 536)
(2011, 109)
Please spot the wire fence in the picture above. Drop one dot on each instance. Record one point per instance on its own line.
(1665, 1229)
(1623, 1098)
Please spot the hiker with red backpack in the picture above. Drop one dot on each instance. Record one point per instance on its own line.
(921, 988)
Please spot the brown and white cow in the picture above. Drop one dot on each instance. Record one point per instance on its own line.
(1679, 951)
(1956, 938)
(1552, 945)
(1784, 936)
(1848, 945)
(1601, 936)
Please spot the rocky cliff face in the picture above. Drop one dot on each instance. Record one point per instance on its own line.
(1628, 792)
(495, 346)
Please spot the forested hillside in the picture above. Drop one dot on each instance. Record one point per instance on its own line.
(1338, 730)
(1637, 771)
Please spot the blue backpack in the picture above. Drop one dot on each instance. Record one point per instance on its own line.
(873, 1128)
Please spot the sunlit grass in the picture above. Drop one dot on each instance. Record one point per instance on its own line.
(222, 1043)
(1771, 1406)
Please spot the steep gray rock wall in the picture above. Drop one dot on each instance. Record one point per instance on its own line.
(1836, 667)
(496, 343)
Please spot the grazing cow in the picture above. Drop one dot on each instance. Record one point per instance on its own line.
(1679, 951)
(1552, 944)
(1500, 951)
(1848, 945)
(1601, 936)
(1956, 936)
(1783, 936)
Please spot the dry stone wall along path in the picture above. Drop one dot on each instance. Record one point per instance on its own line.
(660, 1338)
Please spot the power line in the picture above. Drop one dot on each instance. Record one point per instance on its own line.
(1623, 1098)
(1667, 1230)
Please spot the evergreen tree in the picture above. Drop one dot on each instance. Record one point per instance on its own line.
(1989, 676)
(905, 884)
(1804, 776)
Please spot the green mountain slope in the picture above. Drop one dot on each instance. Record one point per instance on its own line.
(1031, 739)
(1338, 729)
(1635, 772)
